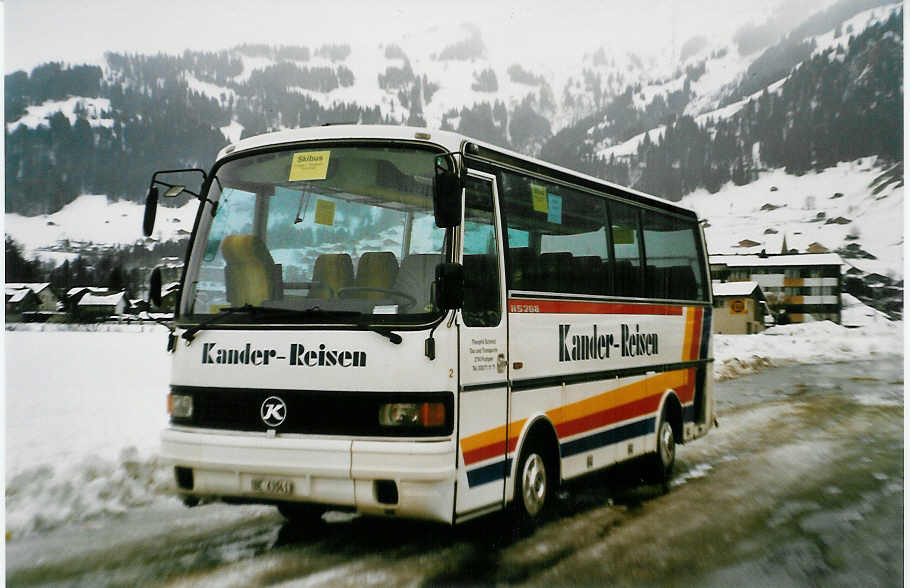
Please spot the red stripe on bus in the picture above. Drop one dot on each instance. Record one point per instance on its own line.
(481, 453)
(696, 335)
(686, 392)
(587, 307)
(603, 418)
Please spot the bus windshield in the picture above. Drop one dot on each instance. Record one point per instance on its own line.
(344, 229)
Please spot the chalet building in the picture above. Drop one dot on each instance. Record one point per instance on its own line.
(75, 294)
(19, 301)
(797, 287)
(48, 299)
(739, 308)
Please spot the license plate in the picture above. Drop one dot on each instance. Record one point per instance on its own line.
(273, 486)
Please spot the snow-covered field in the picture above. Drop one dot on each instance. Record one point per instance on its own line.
(84, 408)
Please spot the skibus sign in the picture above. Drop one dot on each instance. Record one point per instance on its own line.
(629, 342)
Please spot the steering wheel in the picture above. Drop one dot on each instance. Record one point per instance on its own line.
(409, 300)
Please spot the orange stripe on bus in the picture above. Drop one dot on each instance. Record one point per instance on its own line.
(623, 403)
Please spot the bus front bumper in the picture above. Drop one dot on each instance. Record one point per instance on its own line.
(348, 474)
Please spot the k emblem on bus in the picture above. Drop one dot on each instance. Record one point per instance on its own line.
(273, 411)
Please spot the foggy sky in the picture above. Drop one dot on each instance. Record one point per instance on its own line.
(80, 31)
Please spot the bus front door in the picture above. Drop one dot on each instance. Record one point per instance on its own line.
(483, 355)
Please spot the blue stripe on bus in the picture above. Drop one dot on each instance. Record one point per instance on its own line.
(489, 473)
(607, 437)
(705, 333)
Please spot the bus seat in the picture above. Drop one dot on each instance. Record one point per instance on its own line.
(331, 272)
(588, 275)
(682, 282)
(376, 269)
(523, 269)
(250, 271)
(626, 279)
(657, 281)
(557, 271)
(416, 276)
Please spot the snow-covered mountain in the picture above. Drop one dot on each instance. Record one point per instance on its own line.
(813, 109)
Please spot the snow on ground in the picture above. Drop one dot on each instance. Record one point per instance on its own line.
(85, 408)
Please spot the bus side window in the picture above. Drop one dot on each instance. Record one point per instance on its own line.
(481, 257)
(627, 272)
(673, 260)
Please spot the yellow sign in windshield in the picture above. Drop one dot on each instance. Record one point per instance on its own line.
(309, 165)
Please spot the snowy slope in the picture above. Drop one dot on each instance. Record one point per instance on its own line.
(843, 192)
(95, 110)
(92, 219)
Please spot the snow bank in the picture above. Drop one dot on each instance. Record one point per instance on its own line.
(84, 411)
(818, 342)
(47, 496)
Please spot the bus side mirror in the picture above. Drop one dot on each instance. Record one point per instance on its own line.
(155, 288)
(447, 185)
(151, 207)
(449, 286)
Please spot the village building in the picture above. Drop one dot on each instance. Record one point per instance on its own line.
(739, 308)
(43, 290)
(19, 301)
(798, 287)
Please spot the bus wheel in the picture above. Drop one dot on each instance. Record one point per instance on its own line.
(534, 484)
(664, 458)
(301, 513)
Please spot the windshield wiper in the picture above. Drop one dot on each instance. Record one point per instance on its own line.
(393, 337)
(190, 333)
(224, 313)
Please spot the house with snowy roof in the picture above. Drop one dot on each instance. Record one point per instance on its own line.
(739, 308)
(19, 301)
(98, 306)
(46, 295)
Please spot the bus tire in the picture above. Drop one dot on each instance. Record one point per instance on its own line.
(664, 458)
(534, 484)
(301, 513)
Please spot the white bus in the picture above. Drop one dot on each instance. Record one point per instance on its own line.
(412, 323)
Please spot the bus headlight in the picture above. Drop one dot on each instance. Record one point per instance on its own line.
(412, 414)
(180, 406)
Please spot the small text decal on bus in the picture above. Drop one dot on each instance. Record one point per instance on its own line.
(580, 347)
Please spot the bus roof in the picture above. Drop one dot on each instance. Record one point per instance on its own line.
(448, 140)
